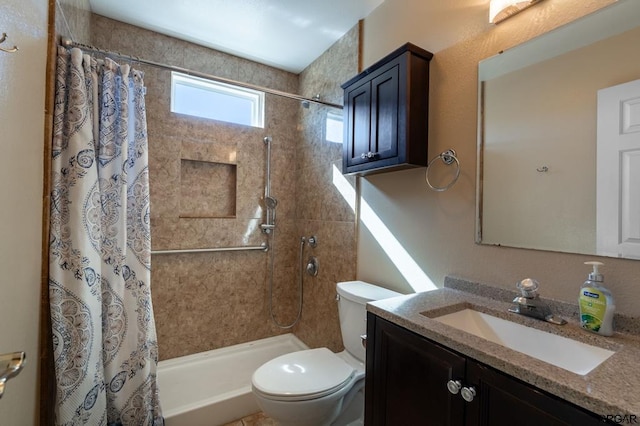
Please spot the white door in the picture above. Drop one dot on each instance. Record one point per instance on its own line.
(618, 171)
(22, 88)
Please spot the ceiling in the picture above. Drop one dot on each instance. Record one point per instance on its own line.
(286, 34)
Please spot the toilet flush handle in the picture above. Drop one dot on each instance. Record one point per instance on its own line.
(363, 340)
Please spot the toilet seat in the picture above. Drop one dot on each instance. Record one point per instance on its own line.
(303, 375)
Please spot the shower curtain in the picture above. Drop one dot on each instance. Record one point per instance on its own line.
(104, 339)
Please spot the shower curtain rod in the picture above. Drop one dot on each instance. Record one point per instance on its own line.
(68, 43)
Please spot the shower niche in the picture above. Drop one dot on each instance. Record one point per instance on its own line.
(207, 189)
(208, 180)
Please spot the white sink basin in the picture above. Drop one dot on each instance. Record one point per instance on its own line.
(574, 356)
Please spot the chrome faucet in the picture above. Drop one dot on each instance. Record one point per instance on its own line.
(530, 305)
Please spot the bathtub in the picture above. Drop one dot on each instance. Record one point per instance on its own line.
(213, 388)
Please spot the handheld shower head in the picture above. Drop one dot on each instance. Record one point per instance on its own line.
(270, 202)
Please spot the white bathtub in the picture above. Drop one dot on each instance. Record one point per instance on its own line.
(213, 388)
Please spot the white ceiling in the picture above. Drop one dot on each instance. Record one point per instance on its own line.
(286, 34)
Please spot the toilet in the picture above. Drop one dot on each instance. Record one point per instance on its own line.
(317, 387)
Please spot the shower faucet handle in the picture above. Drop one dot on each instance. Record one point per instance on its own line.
(312, 266)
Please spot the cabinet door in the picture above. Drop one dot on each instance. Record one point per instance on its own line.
(385, 104)
(502, 400)
(406, 379)
(358, 124)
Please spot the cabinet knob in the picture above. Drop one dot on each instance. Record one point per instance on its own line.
(369, 155)
(454, 386)
(468, 393)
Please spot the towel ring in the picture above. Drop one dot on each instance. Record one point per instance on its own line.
(448, 157)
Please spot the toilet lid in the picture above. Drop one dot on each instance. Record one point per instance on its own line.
(304, 374)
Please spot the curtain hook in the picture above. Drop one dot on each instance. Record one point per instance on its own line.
(14, 49)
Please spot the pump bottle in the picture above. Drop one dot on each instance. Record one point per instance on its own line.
(596, 303)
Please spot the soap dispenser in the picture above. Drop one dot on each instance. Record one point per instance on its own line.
(596, 303)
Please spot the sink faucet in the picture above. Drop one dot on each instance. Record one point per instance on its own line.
(530, 305)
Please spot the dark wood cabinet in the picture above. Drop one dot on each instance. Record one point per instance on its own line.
(406, 384)
(406, 378)
(386, 113)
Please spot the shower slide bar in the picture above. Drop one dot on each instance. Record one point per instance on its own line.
(68, 43)
(262, 247)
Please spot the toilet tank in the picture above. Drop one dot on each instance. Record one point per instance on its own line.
(352, 299)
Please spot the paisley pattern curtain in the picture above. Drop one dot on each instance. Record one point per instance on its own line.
(104, 338)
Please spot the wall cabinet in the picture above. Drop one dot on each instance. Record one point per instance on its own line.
(408, 379)
(386, 113)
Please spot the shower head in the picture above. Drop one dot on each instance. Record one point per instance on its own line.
(270, 202)
(306, 102)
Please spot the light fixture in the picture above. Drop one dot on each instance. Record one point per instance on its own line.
(499, 10)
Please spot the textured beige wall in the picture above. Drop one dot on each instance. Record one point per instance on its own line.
(73, 19)
(438, 229)
(22, 117)
(436, 26)
(433, 25)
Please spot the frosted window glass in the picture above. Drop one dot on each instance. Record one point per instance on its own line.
(209, 99)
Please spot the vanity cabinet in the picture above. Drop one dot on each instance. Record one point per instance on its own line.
(407, 380)
(386, 113)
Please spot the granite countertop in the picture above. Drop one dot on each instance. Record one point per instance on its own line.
(609, 389)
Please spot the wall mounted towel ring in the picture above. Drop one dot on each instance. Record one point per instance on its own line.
(448, 157)
(11, 50)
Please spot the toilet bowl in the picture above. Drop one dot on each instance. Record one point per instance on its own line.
(317, 387)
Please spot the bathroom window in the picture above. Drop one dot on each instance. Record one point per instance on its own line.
(200, 97)
(333, 128)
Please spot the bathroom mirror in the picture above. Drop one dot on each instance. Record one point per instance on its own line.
(541, 178)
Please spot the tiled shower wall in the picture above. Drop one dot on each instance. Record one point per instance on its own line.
(73, 19)
(207, 182)
(325, 200)
(205, 301)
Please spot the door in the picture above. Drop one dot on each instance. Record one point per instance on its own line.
(407, 376)
(501, 400)
(618, 171)
(385, 102)
(358, 125)
(372, 114)
(22, 89)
